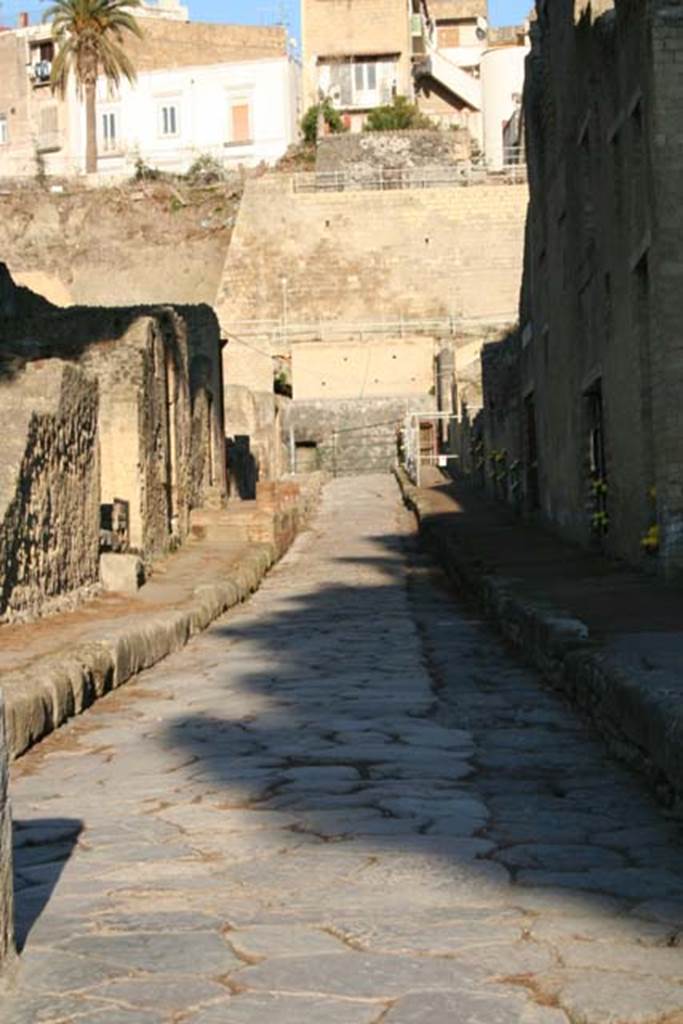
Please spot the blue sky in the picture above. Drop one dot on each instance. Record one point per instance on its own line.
(501, 12)
(259, 12)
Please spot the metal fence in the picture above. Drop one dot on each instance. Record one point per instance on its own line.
(421, 447)
(282, 331)
(392, 179)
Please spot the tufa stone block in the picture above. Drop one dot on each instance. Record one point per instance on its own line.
(123, 574)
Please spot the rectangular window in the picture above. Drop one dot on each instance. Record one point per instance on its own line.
(169, 120)
(4, 135)
(109, 132)
(374, 82)
(363, 82)
(239, 122)
(48, 133)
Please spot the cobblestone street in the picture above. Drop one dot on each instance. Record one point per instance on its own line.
(345, 803)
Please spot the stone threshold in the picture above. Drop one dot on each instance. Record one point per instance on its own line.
(639, 713)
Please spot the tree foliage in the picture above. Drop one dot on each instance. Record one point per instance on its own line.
(401, 115)
(89, 39)
(331, 116)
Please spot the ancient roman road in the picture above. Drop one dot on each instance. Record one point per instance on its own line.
(344, 804)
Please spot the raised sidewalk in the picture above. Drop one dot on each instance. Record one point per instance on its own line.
(56, 667)
(607, 636)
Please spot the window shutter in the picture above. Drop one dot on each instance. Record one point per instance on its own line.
(240, 123)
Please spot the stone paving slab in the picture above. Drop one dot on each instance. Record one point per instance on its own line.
(55, 668)
(608, 637)
(344, 803)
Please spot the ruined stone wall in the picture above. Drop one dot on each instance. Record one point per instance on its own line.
(252, 427)
(139, 359)
(49, 486)
(366, 255)
(6, 877)
(599, 362)
(145, 427)
(349, 436)
(255, 446)
(365, 152)
(208, 479)
(497, 436)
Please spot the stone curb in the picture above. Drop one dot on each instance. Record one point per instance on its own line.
(640, 718)
(41, 698)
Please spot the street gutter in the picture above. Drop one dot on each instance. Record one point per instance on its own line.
(640, 715)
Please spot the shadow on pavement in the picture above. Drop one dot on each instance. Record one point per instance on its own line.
(486, 772)
(42, 848)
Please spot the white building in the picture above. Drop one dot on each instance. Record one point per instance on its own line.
(240, 114)
(228, 91)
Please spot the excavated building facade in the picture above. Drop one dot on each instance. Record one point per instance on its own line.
(113, 429)
(582, 405)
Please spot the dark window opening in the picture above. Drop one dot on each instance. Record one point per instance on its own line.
(597, 461)
(531, 455)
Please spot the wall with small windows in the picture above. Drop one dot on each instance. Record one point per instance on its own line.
(243, 113)
(595, 420)
(227, 90)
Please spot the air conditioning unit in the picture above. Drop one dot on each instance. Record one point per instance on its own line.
(42, 70)
(335, 95)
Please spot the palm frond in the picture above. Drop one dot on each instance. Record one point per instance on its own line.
(90, 37)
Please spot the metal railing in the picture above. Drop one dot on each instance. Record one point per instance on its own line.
(393, 179)
(281, 331)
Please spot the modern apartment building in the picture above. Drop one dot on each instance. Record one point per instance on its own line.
(442, 54)
(231, 91)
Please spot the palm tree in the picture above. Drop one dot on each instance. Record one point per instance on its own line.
(89, 37)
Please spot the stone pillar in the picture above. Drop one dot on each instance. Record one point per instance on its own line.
(6, 882)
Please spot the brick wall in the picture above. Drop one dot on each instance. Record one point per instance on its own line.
(173, 44)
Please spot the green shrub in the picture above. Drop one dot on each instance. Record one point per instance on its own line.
(206, 170)
(309, 123)
(282, 385)
(144, 172)
(401, 115)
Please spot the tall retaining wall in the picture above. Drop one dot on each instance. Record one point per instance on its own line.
(368, 255)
